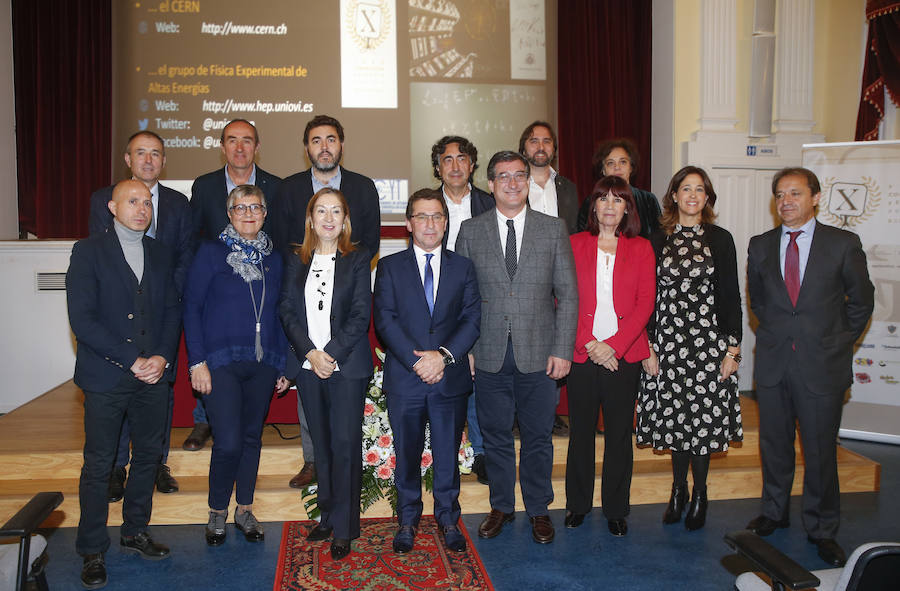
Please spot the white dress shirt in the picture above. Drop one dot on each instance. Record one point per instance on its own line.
(319, 288)
(605, 322)
(804, 242)
(435, 267)
(518, 224)
(543, 199)
(458, 214)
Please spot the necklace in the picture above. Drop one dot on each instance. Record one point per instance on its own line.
(320, 289)
(257, 312)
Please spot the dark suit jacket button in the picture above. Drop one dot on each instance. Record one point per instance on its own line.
(140, 291)
(131, 316)
(127, 340)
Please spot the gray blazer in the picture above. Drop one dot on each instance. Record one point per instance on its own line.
(539, 307)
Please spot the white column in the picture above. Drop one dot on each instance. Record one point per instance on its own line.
(718, 109)
(795, 41)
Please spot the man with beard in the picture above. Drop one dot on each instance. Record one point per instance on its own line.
(549, 192)
(324, 141)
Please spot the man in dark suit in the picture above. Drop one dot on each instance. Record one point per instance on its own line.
(124, 311)
(549, 192)
(145, 155)
(427, 331)
(526, 276)
(454, 160)
(323, 139)
(810, 289)
(209, 194)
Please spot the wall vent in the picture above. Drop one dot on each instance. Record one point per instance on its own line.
(50, 281)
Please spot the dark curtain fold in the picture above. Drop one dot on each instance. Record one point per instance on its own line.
(882, 66)
(63, 78)
(604, 82)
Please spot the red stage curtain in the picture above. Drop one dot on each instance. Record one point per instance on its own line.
(604, 82)
(882, 67)
(63, 79)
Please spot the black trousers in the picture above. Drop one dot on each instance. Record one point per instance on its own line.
(145, 406)
(819, 418)
(334, 409)
(593, 388)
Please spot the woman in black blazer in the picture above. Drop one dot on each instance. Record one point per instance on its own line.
(326, 304)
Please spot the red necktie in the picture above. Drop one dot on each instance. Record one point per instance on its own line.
(792, 267)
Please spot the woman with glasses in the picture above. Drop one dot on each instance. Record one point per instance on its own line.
(326, 303)
(236, 353)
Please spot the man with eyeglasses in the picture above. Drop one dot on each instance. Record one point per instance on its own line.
(209, 193)
(526, 276)
(549, 192)
(454, 160)
(323, 139)
(145, 156)
(427, 331)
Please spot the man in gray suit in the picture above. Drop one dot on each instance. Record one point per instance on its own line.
(526, 275)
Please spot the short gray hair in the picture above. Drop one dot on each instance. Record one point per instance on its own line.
(245, 191)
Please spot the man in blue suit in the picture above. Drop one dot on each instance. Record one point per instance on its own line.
(209, 193)
(126, 317)
(428, 331)
(145, 155)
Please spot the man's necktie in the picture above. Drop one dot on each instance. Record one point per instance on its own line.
(511, 257)
(429, 283)
(792, 267)
(151, 231)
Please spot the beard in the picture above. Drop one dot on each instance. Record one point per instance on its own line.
(326, 166)
(540, 159)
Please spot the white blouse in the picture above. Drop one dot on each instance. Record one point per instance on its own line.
(318, 292)
(605, 322)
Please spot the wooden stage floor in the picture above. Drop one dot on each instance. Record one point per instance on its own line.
(41, 450)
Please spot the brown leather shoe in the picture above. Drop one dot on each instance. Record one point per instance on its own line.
(493, 523)
(200, 434)
(542, 529)
(305, 477)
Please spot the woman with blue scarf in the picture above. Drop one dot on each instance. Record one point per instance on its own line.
(236, 352)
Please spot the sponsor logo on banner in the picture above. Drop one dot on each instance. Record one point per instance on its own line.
(369, 22)
(849, 203)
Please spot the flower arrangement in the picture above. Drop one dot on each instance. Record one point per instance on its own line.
(378, 459)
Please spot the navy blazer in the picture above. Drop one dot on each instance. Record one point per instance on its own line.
(351, 311)
(209, 194)
(100, 290)
(404, 323)
(173, 228)
(289, 225)
(834, 305)
(480, 202)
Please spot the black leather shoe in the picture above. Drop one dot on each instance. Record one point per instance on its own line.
(617, 527)
(144, 546)
(763, 526)
(480, 470)
(93, 573)
(403, 540)
(696, 513)
(542, 530)
(319, 533)
(200, 434)
(453, 538)
(116, 489)
(492, 525)
(165, 482)
(676, 503)
(573, 520)
(215, 528)
(829, 551)
(340, 548)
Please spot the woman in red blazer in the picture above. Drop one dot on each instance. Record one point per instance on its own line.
(616, 272)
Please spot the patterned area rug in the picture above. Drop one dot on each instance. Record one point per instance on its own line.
(372, 564)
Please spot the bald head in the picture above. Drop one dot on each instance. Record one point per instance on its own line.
(132, 205)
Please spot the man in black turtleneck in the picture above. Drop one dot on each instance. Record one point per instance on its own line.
(126, 317)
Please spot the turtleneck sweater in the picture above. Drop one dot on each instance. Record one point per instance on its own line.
(133, 247)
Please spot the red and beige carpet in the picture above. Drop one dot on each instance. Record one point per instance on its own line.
(372, 564)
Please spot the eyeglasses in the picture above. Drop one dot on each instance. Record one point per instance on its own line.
(422, 218)
(253, 208)
(504, 177)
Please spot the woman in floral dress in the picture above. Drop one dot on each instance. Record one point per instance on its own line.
(689, 399)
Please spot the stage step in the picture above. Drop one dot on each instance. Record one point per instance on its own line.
(42, 440)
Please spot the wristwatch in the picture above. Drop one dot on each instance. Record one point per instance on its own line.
(447, 355)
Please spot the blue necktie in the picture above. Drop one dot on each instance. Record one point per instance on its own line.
(429, 283)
